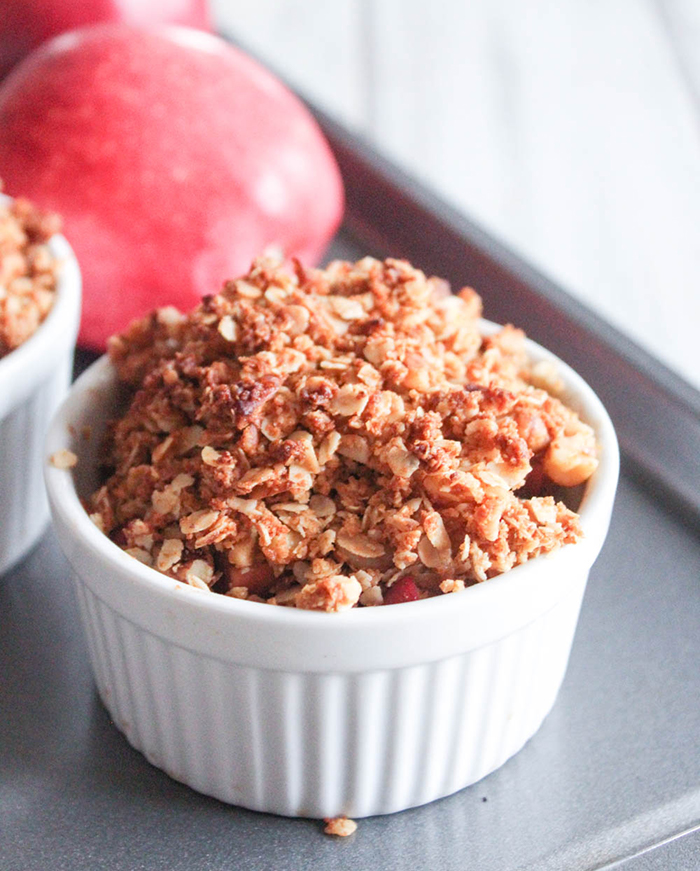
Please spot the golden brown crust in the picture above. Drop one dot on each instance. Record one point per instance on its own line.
(307, 438)
(28, 271)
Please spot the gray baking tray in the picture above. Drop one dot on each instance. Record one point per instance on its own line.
(611, 779)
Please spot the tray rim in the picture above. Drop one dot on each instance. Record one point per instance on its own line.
(635, 378)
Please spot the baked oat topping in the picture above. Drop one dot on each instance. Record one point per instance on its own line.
(28, 271)
(329, 439)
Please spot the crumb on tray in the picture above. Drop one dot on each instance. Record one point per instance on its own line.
(340, 826)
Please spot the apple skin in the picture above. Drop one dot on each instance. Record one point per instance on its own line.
(173, 158)
(25, 24)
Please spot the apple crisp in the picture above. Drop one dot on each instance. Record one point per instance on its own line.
(28, 271)
(326, 439)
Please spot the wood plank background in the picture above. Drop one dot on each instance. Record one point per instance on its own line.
(568, 128)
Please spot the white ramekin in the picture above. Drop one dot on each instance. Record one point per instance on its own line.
(299, 713)
(34, 380)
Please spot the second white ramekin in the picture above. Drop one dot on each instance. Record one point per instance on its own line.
(311, 714)
(34, 380)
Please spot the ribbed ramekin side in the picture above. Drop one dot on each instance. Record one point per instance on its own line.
(431, 730)
(507, 689)
(328, 744)
(25, 510)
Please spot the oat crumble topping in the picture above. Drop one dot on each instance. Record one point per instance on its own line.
(28, 271)
(327, 439)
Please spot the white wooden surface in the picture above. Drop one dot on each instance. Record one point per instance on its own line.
(569, 128)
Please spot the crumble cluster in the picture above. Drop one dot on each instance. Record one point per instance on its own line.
(336, 438)
(28, 271)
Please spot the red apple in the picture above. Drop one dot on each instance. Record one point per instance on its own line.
(25, 24)
(173, 158)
